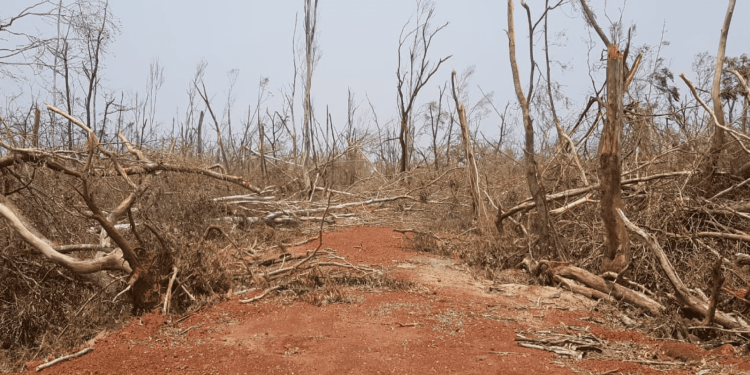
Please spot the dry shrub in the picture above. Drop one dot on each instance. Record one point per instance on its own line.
(39, 309)
(40, 301)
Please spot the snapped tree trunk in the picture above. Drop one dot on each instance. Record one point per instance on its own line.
(617, 245)
(200, 134)
(35, 129)
(480, 212)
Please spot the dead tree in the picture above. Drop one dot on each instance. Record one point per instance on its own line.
(563, 139)
(417, 71)
(617, 242)
(480, 212)
(94, 46)
(548, 244)
(204, 95)
(717, 141)
(311, 57)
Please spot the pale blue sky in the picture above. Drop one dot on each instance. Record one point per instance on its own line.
(359, 38)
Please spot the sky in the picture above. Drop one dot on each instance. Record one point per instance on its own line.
(358, 40)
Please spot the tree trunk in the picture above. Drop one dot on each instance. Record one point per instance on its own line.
(547, 243)
(35, 129)
(261, 147)
(480, 212)
(402, 140)
(200, 135)
(617, 245)
(717, 141)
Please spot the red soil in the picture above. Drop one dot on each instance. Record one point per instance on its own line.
(398, 332)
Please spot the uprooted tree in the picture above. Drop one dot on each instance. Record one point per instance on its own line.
(100, 161)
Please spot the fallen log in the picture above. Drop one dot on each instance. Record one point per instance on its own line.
(603, 287)
(583, 290)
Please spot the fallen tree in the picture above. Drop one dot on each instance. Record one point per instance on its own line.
(580, 281)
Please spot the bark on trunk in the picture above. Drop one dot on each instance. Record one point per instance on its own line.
(617, 245)
(402, 140)
(35, 129)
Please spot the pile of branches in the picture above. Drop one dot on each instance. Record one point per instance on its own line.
(317, 277)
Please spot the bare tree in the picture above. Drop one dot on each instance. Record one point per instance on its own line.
(200, 69)
(27, 49)
(95, 39)
(547, 245)
(415, 71)
(262, 85)
(288, 106)
(480, 212)
(203, 93)
(563, 138)
(154, 82)
(232, 76)
(717, 141)
(436, 118)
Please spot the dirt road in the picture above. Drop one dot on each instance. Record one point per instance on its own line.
(448, 323)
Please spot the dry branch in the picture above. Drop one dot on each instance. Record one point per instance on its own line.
(63, 359)
(682, 294)
(81, 247)
(168, 298)
(585, 291)
(265, 292)
(529, 204)
(112, 261)
(154, 167)
(727, 190)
